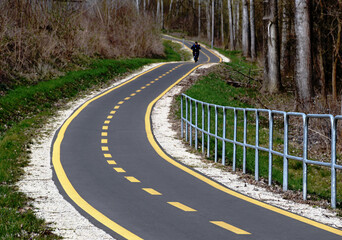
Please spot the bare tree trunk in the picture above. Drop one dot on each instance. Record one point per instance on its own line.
(237, 23)
(162, 13)
(245, 29)
(170, 6)
(231, 26)
(137, 2)
(212, 22)
(273, 49)
(252, 25)
(285, 32)
(208, 20)
(265, 82)
(158, 13)
(303, 68)
(222, 23)
(199, 18)
(334, 68)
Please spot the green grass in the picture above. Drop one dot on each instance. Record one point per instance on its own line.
(23, 111)
(213, 89)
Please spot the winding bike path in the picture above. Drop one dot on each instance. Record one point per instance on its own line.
(109, 166)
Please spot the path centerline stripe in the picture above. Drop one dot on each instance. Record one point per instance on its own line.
(152, 191)
(64, 180)
(111, 162)
(182, 206)
(132, 179)
(230, 227)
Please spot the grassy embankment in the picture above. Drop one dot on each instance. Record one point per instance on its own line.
(23, 111)
(213, 88)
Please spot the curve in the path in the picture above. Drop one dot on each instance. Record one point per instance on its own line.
(109, 166)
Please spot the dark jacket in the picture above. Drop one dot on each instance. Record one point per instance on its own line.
(195, 48)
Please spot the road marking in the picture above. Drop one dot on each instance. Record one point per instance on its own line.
(111, 162)
(116, 107)
(64, 180)
(152, 191)
(107, 122)
(133, 94)
(182, 207)
(109, 117)
(230, 227)
(107, 155)
(132, 179)
(104, 127)
(105, 149)
(119, 170)
(127, 98)
(156, 79)
(143, 87)
(121, 102)
(152, 82)
(104, 140)
(112, 112)
(215, 184)
(138, 90)
(104, 134)
(148, 84)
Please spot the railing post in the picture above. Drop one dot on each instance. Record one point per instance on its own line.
(256, 174)
(305, 155)
(208, 136)
(203, 127)
(216, 127)
(244, 140)
(186, 118)
(182, 127)
(196, 124)
(190, 125)
(270, 146)
(224, 137)
(333, 161)
(285, 161)
(234, 145)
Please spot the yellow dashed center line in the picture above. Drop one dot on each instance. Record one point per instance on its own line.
(109, 117)
(230, 227)
(104, 134)
(105, 149)
(106, 122)
(152, 82)
(182, 206)
(116, 107)
(112, 112)
(104, 127)
(104, 140)
(121, 102)
(152, 191)
(132, 179)
(119, 170)
(143, 87)
(111, 162)
(148, 84)
(127, 98)
(107, 155)
(138, 90)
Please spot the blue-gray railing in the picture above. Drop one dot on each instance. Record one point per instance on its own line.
(192, 128)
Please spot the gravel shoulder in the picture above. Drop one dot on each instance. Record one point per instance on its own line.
(67, 222)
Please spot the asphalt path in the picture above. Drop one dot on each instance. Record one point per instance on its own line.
(109, 167)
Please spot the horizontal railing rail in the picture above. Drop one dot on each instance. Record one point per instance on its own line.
(192, 125)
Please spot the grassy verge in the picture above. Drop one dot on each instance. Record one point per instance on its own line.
(213, 88)
(22, 112)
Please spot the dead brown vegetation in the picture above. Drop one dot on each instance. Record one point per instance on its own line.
(39, 38)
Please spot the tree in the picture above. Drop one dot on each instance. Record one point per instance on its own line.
(231, 26)
(252, 28)
(245, 29)
(303, 67)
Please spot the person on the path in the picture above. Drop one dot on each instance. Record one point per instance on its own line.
(195, 51)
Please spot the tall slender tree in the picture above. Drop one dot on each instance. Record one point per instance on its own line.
(199, 18)
(303, 67)
(231, 26)
(252, 28)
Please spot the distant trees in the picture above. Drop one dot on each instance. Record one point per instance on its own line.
(298, 42)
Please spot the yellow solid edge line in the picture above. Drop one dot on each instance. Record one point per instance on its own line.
(214, 184)
(64, 180)
(230, 227)
(152, 191)
(182, 207)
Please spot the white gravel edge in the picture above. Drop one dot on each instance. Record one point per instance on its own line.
(67, 222)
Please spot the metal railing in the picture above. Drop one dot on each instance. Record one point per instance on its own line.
(191, 126)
